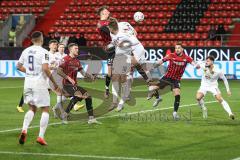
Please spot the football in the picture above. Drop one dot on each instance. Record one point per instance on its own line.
(138, 16)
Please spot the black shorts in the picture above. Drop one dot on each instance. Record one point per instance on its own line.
(110, 57)
(71, 89)
(164, 81)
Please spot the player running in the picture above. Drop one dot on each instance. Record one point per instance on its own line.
(121, 63)
(176, 67)
(104, 32)
(68, 70)
(209, 83)
(34, 62)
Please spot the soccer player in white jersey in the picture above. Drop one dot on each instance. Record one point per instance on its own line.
(121, 63)
(34, 62)
(54, 62)
(138, 57)
(209, 83)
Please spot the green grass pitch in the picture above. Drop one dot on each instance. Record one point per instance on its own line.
(149, 135)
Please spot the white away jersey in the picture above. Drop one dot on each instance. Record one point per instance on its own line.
(126, 27)
(126, 34)
(209, 78)
(32, 59)
(54, 62)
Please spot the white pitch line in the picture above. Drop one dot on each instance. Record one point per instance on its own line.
(153, 110)
(111, 116)
(238, 158)
(11, 87)
(71, 155)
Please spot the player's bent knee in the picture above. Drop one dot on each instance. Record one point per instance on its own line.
(219, 98)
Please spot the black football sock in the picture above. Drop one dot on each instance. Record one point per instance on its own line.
(21, 102)
(176, 103)
(89, 106)
(72, 102)
(141, 71)
(107, 81)
(156, 94)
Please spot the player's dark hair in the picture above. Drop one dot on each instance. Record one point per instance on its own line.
(212, 58)
(52, 41)
(71, 45)
(113, 23)
(179, 44)
(100, 9)
(35, 35)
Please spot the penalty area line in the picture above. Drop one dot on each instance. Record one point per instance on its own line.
(71, 155)
(111, 116)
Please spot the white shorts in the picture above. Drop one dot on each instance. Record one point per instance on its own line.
(139, 54)
(37, 97)
(121, 64)
(213, 89)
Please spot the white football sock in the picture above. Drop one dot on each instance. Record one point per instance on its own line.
(115, 91)
(226, 107)
(201, 103)
(123, 95)
(27, 120)
(43, 124)
(129, 85)
(60, 100)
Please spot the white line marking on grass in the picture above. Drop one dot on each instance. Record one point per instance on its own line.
(153, 110)
(111, 116)
(71, 155)
(11, 87)
(238, 158)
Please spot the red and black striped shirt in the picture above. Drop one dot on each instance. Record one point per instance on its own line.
(104, 31)
(177, 65)
(70, 67)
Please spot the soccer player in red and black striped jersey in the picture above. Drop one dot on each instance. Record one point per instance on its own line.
(68, 70)
(176, 67)
(102, 28)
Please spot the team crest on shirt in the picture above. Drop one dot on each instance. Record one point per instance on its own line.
(179, 63)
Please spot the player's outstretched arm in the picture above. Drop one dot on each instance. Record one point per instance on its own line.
(21, 68)
(225, 81)
(63, 75)
(87, 75)
(196, 65)
(158, 63)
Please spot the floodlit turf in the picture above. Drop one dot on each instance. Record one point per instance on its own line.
(150, 135)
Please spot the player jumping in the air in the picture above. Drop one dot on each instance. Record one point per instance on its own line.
(209, 83)
(177, 64)
(104, 32)
(137, 56)
(68, 70)
(34, 62)
(121, 63)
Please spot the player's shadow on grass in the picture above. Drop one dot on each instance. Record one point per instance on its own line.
(102, 108)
